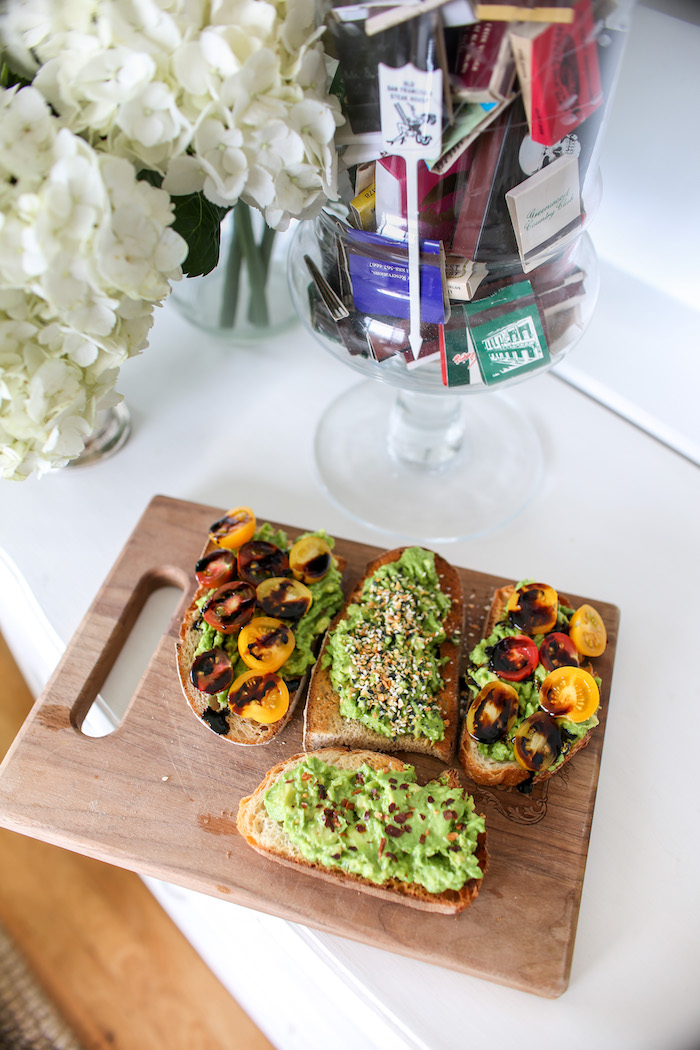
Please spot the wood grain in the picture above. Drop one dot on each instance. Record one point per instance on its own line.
(159, 795)
(109, 958)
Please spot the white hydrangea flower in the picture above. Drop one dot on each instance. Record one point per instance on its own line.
(149, 79)
(85, 254)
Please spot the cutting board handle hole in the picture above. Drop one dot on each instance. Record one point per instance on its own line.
(141, 630)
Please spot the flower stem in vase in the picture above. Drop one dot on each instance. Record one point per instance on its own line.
(257, 266)
(232, 276)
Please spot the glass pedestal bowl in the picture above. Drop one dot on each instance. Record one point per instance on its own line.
(401, 451)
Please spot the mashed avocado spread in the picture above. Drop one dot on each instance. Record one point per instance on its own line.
(384, 655)
(527, 690)
(379, 825)
(327, 598)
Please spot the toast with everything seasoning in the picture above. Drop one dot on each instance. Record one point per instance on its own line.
(215, 669)
(536, 646)
(387, 678)
(360, 818)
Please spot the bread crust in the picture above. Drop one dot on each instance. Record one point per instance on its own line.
(486, 771)
(324, 726)
(252, 826)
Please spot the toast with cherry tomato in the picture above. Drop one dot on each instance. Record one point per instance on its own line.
(532, 691)
(386, 853)
(252, 630)
(387, 677)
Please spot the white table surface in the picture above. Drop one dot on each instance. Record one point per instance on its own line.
(616, 517)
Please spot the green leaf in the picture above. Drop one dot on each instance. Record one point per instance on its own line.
(199, 222)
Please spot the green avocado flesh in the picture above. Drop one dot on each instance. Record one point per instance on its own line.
(528, 690)
(379, 825)
(327, 596)
(384, 655)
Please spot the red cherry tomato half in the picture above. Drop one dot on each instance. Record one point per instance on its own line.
(230, 607)
(259, 560)
(212, 671)
(557, 650)
(514, 658)
(216, 568)
(235, 528)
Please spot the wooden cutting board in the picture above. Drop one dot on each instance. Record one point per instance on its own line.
(159, 795)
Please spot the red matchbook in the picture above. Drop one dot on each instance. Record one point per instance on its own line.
(558, 73)
(485, 68)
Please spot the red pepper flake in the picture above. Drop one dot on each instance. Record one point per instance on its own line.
(422, 839)
(449, 814)
(394, 832)
(361, 828)
(382, 844)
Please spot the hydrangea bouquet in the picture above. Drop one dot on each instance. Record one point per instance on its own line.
(128, 129)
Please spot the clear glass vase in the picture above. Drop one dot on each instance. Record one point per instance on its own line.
(246, 297)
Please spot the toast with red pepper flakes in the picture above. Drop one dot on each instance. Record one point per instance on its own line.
(459, 837)
(553, 715)
(383, 678)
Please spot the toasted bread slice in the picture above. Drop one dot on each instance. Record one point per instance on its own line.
(227, 724)
(484, 770)
(324, 726)
(268, 838)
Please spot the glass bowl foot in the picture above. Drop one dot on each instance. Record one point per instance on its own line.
(427, 468)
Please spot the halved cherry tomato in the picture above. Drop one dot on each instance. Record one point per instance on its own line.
(230, 607)
(212, 671)
(265, 643)
(310, 559)
(492, 712)
(234, 529)
(284, 597)
(533, 608)
(259, 560)
(537, 742)
(514, 657)
(216, 568)
(570, 692)
(587, 631)
(260, 697)
(557, 650)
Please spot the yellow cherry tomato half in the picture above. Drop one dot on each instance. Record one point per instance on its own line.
(310, 559)
(260, 697)
(234, 529)
(587, 631)
(492, 712)
(537, 742)
(265, 643)
(533, 608)
(570, 692)
(284, 597)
